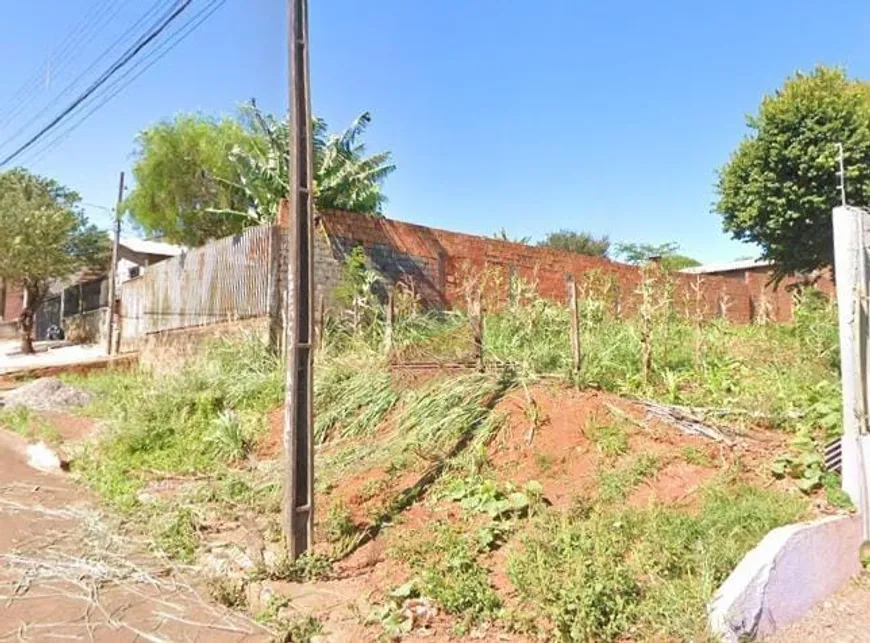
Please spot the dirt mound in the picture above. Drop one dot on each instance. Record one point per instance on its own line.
(564, 438)
(46, 394)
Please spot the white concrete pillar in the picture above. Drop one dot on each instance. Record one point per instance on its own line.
(847, 265)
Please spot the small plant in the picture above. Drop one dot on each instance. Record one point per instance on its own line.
(449, 573)
(694, 455)
(179, 536)
(485, 496)
(227, 591)
(610, 439)
(544, 462)
(834, 493)
(23, 421)
(228, 437)
(803, 463)
(615, 486)
(310, 566)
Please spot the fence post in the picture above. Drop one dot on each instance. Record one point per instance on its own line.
(573, 306)
(851, 236)
(477, 329)
(389, 312)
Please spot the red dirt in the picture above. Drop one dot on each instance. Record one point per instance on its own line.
(271, 443)
(559, 454)
(71, 428)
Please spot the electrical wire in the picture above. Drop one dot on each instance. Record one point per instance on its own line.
(75, 82)
(104, 77)
(118, 85)
(66, 53)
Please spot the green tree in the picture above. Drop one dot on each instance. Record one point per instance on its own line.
(43, 235)
(180, 189)
(640, 253)
(198, 178)
(345, 178)
(780, 185)
(582, 243)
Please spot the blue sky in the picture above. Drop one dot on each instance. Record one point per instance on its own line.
(607, 117)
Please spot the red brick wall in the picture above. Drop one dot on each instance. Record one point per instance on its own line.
(441, 264)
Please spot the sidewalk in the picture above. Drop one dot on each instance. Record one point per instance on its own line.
(48, 353)
(66, 573)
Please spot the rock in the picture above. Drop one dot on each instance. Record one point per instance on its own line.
(45, 394)
(42, 458)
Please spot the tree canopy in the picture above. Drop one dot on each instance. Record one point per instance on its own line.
(198, 178)
(640, 253)
(780, 185)
(178, 193)
(582, 243)
(43, 235)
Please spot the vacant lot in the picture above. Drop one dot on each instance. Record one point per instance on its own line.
(528, 501)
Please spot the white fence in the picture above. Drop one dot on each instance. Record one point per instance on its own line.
(226, 280)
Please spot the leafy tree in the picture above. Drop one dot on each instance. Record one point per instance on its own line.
(640, 253)
(43, 235)
(582, 243)
(199, 178)
(344, 177)
(780, 185)
(179, 194)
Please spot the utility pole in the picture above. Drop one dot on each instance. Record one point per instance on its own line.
(113, 274)
(298, 411)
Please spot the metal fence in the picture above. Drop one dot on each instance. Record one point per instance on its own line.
(226, 280)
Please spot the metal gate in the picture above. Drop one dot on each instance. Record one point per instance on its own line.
(47, 315)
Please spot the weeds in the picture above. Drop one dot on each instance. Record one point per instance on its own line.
(26, 423)
(604, 573)
(614, 486)
(449, 573)
(610, 439)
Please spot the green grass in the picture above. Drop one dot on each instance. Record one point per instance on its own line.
(446, 563)
(606, 573)
(610, 439)
(615, 485)
(28, 424)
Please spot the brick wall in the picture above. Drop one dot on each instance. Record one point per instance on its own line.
(440, 265)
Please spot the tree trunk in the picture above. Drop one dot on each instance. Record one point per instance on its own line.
(26, 319)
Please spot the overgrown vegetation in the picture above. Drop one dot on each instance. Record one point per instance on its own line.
(601, 571)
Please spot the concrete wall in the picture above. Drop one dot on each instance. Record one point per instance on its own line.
(167, 350)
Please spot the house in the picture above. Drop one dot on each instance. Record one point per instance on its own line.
(135, 255)
(79, 302)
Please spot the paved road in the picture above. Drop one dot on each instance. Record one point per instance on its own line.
(65, 574)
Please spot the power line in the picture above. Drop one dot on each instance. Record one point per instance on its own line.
(96, 18)
(118, 85)
(93, 64)
(104, 77)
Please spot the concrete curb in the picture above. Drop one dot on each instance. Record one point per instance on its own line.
(789, 571)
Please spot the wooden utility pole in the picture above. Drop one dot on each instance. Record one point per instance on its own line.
(298, 411)
(113, 274)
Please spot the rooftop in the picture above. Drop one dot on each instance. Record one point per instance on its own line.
(727, 266)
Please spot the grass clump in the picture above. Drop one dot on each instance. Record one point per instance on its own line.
(610, 439)
(614, 486)
(351, 399)
(606, 573)
(449, 572)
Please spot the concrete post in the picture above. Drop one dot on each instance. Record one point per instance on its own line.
(852, 284)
